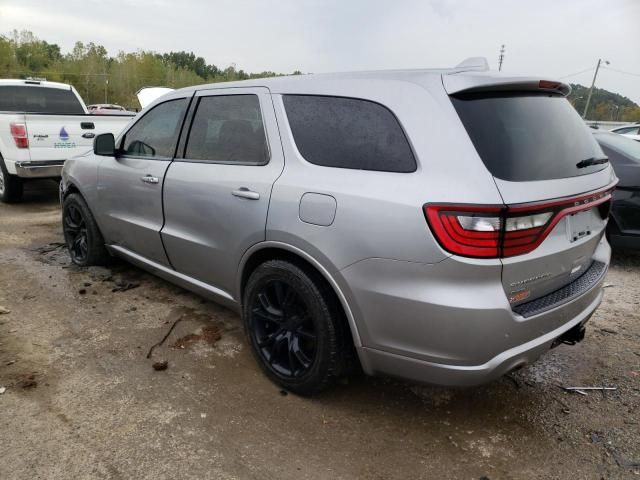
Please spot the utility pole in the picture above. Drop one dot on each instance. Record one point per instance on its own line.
(501, 58)
(106, 83)
(586, 107)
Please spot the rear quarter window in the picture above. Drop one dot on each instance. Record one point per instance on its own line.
(348, 133)
(35, 99)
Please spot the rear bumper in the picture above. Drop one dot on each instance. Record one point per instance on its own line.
(378, 361)
(447, 325)
(43, 169)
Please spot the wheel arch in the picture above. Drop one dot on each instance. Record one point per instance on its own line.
(271, 250)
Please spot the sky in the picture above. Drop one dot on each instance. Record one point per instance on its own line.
(557, 39)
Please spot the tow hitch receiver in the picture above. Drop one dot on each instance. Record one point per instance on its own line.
(571, 337)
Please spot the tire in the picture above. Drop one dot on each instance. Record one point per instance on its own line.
(294, 325)
(81, 233)
(10, 185)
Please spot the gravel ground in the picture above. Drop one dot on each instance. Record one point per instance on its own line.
(83, 401)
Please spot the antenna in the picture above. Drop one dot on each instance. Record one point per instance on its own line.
(501, 58)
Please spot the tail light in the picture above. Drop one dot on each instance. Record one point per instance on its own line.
(19, 134)
(498, 231)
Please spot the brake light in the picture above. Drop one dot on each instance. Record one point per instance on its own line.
(548, 84)
(499, 231)
(19, 134)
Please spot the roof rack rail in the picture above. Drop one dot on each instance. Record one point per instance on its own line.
(479, 64)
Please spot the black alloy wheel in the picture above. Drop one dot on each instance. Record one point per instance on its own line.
(295, 326)
(283, 330)
(75, 234)
(81, 233)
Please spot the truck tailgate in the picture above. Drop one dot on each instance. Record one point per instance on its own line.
(58, 137)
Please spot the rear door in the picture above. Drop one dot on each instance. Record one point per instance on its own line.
(217, 195)
(130, 184)
(541, 154)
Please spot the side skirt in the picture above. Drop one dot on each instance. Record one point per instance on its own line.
(215, 294)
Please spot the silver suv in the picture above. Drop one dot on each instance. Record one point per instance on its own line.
(444, 226)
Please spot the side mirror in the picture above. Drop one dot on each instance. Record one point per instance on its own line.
(105, 145)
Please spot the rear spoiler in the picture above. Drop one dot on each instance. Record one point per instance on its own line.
(460, 82)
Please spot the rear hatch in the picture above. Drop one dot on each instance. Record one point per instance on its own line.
(553, 177)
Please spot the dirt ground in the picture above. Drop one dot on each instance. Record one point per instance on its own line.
(83, 401)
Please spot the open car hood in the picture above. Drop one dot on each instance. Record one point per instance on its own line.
(147, 95)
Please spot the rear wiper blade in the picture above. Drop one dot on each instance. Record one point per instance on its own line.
(591, 161)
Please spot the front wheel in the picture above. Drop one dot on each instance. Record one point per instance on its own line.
(81, 233)
(293, 324)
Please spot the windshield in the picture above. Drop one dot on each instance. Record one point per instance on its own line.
(527, 136)
(624, 145)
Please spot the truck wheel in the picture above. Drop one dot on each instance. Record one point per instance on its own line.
(81, 233)
(10, 185)
(294, 327)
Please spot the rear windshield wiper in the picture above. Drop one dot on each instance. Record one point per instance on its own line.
(591, 161)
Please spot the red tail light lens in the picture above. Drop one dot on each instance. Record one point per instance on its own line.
(498, 231)
(19, 134)
(470, 231)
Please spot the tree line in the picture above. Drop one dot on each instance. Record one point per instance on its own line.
(103, 79)
(100, 78)
(605, 105)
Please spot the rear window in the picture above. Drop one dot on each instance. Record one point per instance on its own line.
(34, 99)
(527, 136)
(348, 133)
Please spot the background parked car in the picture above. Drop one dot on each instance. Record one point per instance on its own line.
(108, 109)
(624, 154)
(632, 131)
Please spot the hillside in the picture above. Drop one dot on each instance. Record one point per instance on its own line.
(605, 105)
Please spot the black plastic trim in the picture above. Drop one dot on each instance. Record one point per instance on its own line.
(580, 285)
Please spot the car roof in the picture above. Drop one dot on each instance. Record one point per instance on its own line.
(459, 78)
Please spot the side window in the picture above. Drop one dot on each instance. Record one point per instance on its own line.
(228, 129)
(348, 133)
(155, 135)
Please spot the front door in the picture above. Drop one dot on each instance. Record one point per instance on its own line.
(130, 184)
(216, 197)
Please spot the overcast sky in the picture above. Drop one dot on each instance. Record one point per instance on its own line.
(552, 38)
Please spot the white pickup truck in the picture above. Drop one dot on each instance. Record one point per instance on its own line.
(41, 125)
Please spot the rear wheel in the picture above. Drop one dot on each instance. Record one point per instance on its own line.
(294, 328)
(10, 185)
(81, 233)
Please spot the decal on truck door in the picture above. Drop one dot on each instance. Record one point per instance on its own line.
(64, 140)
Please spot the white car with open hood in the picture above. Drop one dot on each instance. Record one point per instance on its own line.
(41, 125)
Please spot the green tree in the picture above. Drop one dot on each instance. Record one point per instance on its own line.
(96, 75)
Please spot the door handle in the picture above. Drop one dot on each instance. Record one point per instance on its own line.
(244, 192)
(150, 179)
